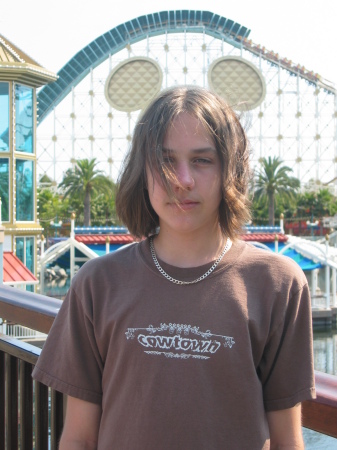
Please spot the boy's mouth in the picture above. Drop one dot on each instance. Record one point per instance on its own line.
(185, 204)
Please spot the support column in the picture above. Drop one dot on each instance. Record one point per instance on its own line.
(282, 223)
(314, 279)
(42, 267)
(334, 301)
(72, 247)
(276, 243)
(92, 94)
(329, 359)
(327, 274)
(73, 131)
(107, 245)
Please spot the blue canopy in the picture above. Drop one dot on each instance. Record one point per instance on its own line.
(303, 262)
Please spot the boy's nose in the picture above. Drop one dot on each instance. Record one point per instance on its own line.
(184, 176)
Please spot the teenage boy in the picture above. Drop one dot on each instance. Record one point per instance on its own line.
(189, 339)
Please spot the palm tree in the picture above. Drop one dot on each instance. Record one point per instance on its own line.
(273, 179)
(85, 181)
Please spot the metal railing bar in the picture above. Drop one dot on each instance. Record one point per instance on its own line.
(28, 309)
(41, 416)
(26, 406)
(11, 402)
(21, 350)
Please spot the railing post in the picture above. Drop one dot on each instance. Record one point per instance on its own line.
(11, 402)
(26, 406)
(41, 416)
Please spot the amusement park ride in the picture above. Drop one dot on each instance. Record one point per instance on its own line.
(90, 107)
(90, 111)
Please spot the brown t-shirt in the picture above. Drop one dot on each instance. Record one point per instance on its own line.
(184, 367)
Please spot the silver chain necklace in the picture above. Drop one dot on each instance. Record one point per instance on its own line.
(173, 280)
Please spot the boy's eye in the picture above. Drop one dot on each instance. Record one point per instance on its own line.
(202, 161)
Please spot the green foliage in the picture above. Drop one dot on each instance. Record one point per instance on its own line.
(283, 205)
(317, 204)
(83, 185)
(103, 210)
(308, 205)
(51, 209)
(273, 186)
(259, 208)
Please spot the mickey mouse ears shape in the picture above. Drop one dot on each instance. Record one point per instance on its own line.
(133, 83)
(238, 81)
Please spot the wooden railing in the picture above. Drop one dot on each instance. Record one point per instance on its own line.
(321, 414)
(31, 415)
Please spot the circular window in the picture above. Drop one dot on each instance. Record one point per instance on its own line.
(238, 81)
(133, 83)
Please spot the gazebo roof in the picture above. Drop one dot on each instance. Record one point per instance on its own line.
(15, 65)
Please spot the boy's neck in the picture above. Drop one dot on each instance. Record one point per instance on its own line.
(189, 250)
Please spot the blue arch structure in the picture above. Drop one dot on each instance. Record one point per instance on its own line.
(130, 32)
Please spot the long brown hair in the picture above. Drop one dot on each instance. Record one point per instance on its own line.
(132, 202)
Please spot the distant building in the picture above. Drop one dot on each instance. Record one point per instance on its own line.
(20, 75)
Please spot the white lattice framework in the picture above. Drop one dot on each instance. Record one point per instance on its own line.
(296, 121)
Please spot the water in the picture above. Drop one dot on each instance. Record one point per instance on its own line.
(325, 360)
(325, 351)
(55, 288)
(318, 441)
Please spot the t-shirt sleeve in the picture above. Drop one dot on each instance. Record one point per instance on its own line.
(286, 369)
(70, 361)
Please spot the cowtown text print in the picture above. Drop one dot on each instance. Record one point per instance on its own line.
(179, 341)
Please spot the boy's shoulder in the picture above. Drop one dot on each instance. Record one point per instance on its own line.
(118, 260)
(264, 262)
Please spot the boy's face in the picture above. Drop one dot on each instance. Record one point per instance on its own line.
(190, 153)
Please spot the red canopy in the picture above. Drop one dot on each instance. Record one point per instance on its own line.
(15, 272)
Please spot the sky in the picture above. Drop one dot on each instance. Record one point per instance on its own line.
(52, 32)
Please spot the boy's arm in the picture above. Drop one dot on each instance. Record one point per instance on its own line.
(285, 429)
(81, 425)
